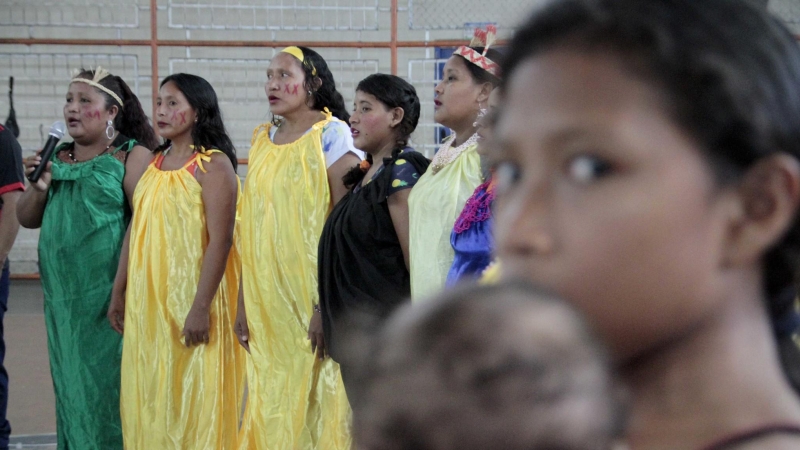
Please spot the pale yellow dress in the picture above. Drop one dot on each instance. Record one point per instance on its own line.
(174, 397)
(433, 207)
(295, 401)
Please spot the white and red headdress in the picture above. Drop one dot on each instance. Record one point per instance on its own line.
(485, 39)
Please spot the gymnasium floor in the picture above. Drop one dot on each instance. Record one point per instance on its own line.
(31, 404)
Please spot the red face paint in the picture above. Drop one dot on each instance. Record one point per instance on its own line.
(93, 114)
(291, 89)
(176, 114)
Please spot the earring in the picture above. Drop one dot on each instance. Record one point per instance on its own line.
(481, 114)
(110, 129)
(310, 93)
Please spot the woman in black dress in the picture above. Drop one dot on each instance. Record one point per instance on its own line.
(363, 251)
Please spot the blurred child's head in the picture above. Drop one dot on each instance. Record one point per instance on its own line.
(503, 367)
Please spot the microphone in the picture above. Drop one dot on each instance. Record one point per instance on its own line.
(57, 131)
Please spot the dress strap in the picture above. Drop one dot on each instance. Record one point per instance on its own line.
(158, 160)
(126, 146)
(200, 155)
(263, 126)
(328, 118)
(746, 436)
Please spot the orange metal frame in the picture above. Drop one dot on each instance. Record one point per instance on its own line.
(154, 43)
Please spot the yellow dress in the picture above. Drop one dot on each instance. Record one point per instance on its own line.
(295, 401)
(433, 207)
(173, 397)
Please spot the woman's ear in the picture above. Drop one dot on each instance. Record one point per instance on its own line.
(397, 116)
(113, 111)
(316, 83)
(485, 92)
(768, 197)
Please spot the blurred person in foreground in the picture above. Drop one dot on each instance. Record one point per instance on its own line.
(648, 172)
(498, 367)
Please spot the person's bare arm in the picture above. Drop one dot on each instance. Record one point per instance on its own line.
(336, 172)
(135, 166)
(9, 225)
(398, 210)
(139, 159)
(220, 190)
(241, 328)
(30, 206)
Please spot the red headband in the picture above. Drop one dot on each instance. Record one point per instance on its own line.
(483, 39)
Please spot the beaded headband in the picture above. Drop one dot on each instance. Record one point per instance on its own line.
(297, 53)
(483, 39)
(99, 74)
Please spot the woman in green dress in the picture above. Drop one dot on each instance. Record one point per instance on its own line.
(80, 205)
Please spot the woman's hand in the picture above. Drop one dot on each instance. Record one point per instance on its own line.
(43, 183)
(241, 329)
(116, 311)
(197, 327)
(315, 334)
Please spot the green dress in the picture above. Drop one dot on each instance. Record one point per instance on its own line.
(83, 227)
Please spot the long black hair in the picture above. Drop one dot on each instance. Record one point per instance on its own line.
(209, 131)
(393, 92)
(731, 75)
(131, 120)
(325, 95)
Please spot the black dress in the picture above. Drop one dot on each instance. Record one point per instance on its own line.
(362, 273)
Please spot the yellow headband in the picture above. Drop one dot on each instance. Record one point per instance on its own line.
(99, 74)
(297, 53)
